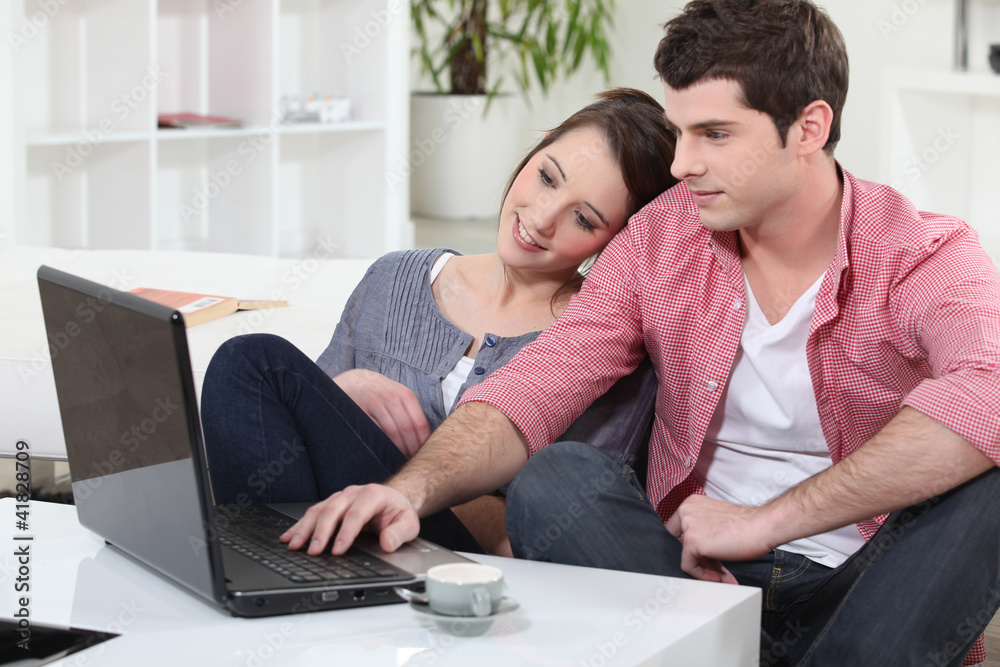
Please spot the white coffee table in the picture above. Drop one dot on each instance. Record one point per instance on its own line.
(568, 615)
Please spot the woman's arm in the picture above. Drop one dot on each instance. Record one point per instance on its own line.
(391, 405)
(484, 518)
(339, 353)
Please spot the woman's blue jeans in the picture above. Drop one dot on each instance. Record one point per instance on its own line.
(918, 593)
(279, 429)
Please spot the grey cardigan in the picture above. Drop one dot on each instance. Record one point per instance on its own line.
(392, 325)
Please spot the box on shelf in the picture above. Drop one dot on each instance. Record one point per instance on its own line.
(314, 109)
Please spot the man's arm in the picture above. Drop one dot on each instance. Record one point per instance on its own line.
(912, 459)
(476, 450)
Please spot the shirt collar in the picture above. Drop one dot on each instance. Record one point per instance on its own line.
(842, 260)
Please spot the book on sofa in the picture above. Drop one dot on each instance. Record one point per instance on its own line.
(200, 308)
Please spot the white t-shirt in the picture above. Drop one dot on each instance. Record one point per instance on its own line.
(765, 436)
(454, 380)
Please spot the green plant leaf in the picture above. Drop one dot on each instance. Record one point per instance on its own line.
(529, 40)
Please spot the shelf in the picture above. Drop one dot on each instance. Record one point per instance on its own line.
(91, 169)
(305, 128)
(944, 82)
(94, 137)
(321, 128)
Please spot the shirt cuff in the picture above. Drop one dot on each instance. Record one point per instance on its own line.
(968, 408)
(523, 414)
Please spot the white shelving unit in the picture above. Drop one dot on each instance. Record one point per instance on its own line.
(941, 136)
(92, 170)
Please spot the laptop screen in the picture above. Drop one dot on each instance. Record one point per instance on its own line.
(126, 398)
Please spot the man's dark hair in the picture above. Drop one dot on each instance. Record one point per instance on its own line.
(784, 54)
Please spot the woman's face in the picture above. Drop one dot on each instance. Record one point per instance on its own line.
(564, 206)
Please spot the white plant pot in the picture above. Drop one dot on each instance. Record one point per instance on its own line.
(460, 160)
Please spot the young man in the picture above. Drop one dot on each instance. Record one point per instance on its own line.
(826, 355)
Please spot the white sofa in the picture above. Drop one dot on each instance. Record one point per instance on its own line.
(315, 287)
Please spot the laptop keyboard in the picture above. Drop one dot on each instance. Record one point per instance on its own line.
(254, 530)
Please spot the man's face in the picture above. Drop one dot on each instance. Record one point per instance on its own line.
(730, 157)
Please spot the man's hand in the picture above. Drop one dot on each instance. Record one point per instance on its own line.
(712, 531)
(378, 507)
(391, 405)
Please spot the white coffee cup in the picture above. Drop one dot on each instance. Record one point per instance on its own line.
(464, 589)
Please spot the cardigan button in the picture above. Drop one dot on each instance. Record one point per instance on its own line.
(479, 370)
(491, 340)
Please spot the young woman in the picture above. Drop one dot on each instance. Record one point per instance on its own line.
(424, 325)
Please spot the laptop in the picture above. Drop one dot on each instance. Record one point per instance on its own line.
(140, 476)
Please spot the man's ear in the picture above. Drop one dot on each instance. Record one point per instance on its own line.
(813, 127)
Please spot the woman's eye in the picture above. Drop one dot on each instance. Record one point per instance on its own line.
(546, 180)
(583, 222)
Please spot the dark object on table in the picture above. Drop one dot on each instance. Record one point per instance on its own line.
(995, 57)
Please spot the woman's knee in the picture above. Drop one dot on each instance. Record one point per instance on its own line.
(247, 356)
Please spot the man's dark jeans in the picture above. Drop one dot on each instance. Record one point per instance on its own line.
(918, 593)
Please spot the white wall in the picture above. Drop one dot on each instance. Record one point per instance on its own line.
(6, 122)
(879, 35)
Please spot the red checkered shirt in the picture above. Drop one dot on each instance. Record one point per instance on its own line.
(907, 314)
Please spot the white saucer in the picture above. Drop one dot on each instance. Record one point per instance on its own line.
(467, 626)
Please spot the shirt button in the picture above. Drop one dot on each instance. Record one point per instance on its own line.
(479, 370)
(737, 304)
(687, 462)
(712, 385)
(491, 341)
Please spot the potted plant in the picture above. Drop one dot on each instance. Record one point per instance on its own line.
(470, 50)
